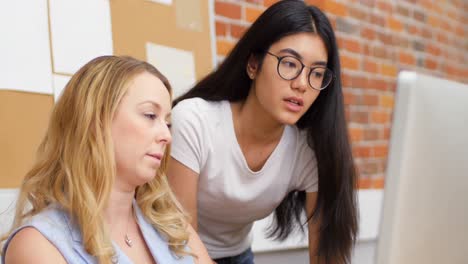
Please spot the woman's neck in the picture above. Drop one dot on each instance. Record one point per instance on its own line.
(253, 124)
(120, 205)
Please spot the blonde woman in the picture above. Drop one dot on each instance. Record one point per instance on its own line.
(98, 191)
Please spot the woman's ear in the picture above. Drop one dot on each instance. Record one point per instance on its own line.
(252, 67)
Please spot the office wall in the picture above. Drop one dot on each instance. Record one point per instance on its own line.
(45, 41)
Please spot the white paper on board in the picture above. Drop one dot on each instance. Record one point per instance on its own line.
(176, 64)
(25, 61)
(165, 2)
(59, 84)
(80, 31)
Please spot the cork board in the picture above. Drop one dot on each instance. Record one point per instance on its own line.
(24, 118)
(135, 23)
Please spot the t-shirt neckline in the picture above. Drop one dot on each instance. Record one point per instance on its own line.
(238, 150)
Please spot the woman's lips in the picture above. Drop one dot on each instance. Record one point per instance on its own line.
(157, 157)
(294, 104)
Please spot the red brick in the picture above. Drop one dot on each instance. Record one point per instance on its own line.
(349, 98)
(352, 45)
(362, 152)
(229, 10)
(377, 20)
(385, 38)
(407, 58)
(414, 30)
(348, 62)
(379, 52)
(427, 33)
(318, 3)
(268, 3)
(387, 132)
(370, 99)
(380, 151)
(358, 13)
(387, 101)
(391, 85)
(355, 134)
(385, 6)
(442, 37)
(378, 183)
(371, 134)
(460, 31)
(346, 80)
(430, 64)
(237, 31)
(445, 25)
(432, 49)
(364, 183)
(437, 8)
(367, 3)
(359, 117)
(451, 14)
(359, 82)
(451, 70)
(401, 41)
(256, 2)
(251, 14)
(335, 8)
(369, 167)
(224, 47)
(433, 21)
(395, 24)
(419, 16)
(370, 66)
(402, 11)
(380, 117)
(389, 70)
(368, 33)
(221, 29)
(367, 49)
(377, 84)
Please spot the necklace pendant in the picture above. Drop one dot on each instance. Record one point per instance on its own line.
(128, 241)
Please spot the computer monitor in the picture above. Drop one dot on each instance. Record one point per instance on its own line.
(425, 208)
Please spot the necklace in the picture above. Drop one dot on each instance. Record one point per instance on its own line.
(128, 241)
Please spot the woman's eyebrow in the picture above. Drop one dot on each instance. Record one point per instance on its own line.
(297, 55)
(157, 106)
(292, 52)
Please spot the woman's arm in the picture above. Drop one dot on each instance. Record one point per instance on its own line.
(197, 247)
(184, 184)
(30, 246)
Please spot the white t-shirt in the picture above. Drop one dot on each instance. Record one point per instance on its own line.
(230, 195)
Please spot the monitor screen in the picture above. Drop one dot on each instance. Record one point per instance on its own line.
(425, 209)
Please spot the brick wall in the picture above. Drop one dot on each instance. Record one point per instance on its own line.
(377, 39)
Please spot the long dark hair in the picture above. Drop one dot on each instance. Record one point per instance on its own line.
(324, 122)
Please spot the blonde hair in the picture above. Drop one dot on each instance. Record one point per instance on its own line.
(75, 163)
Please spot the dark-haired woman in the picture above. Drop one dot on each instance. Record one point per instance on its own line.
(266, 132)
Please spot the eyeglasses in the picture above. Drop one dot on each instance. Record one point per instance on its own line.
(289, 68)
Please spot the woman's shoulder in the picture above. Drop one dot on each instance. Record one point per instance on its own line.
(52, 218)
(39, 249)
(38, 236)
(199, 113)
(198, 105)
